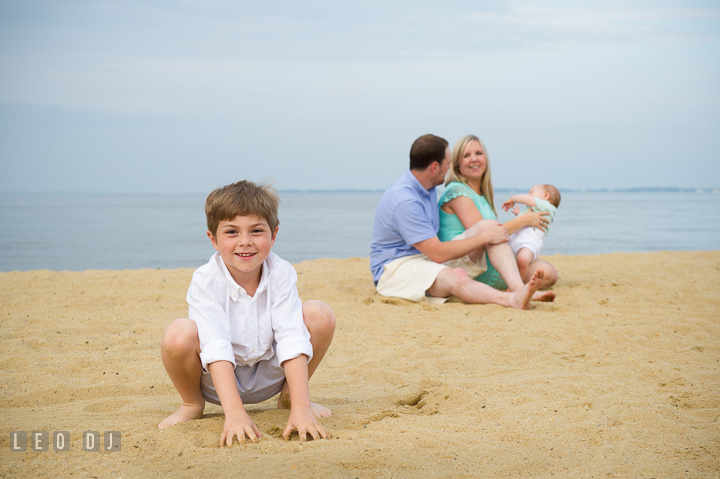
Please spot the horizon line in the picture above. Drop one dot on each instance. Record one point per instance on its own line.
(639, 189)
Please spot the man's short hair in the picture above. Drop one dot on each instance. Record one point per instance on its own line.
(554, 195)
(426, 150)
(243, 198)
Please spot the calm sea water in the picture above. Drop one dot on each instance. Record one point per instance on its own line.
(78, 232)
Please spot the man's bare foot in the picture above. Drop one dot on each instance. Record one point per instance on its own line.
(521, 299)
(186, 412)
(317, 410)
(547, 296)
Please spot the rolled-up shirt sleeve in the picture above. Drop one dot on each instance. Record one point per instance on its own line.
(291, 335)
(212, 322)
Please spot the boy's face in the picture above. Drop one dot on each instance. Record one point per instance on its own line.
(538, 191)
(244, 242)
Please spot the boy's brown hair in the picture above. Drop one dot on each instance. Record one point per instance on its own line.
(554, 195)
(243, 198)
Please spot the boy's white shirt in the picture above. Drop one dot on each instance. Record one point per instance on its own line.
(235, 327)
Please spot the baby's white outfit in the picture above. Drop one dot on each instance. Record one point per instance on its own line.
(533, 238)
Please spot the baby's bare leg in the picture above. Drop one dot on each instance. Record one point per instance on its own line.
(549, 272)
(180, 351)
(524, 257)
(320, 322)
(527, 268)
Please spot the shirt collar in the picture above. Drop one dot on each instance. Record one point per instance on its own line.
(235, 290)
(420, 189)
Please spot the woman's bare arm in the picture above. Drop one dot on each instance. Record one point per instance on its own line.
(464, 208)
(531, 218)
(468, 214)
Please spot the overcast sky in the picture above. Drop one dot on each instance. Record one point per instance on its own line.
(184, 96)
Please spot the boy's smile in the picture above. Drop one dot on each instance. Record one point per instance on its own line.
(244, 243)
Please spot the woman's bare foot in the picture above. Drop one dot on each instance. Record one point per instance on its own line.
(521, 299)
(185, 413)
(317, 410)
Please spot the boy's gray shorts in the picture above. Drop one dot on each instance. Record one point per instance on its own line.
(255, 383)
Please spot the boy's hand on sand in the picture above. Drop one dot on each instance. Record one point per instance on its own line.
(239, 425)
(304, 423)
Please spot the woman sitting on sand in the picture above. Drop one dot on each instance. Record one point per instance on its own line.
(468, 198)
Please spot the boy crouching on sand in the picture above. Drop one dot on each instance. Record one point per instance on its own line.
(248, 337)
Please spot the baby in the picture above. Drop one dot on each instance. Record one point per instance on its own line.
(528, 242)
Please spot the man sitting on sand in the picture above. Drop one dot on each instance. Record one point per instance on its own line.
(248, 337)
(408, 260)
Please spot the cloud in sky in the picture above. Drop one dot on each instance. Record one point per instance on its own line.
(185, 96)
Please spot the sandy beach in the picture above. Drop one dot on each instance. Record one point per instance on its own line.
(620, 377)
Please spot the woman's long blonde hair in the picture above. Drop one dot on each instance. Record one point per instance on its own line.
(486, 186)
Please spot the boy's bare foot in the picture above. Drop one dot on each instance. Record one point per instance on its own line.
(521, 299)
(547, 296)
(317, 410)
(185, 413)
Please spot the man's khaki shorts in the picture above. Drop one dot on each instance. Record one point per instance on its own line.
(410, 277)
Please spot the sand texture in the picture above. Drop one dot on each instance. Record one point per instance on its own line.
(620, 377)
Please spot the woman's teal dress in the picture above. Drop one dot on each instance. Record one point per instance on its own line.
(450, 226)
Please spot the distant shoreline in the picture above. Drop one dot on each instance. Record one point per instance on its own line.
(564, 190)
(368, 191)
